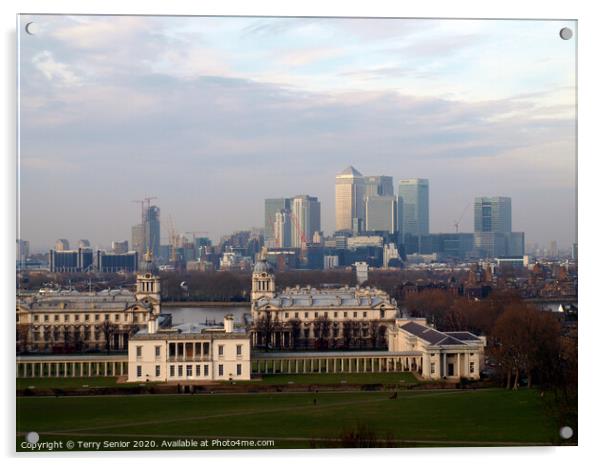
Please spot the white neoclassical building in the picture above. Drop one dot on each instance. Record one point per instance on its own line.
(69, 320)
(305, 317)
(443, 355)
(189, 352)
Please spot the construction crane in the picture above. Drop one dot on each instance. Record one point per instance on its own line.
(174, 239)
(457, 222)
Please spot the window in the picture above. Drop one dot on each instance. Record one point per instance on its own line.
(116, 317)
(138, 371)
(35, 318)
(316, 315)
(66, 318)
(138, 351)
(172, 370)
(206, 349)
(206, 370)
(96, 316)
(345, 314)
(157, 351)
(87, 317)
(432, 368)
(306, 315)
(296, 315)
(198, 370)
(286, 315)
(179, 371)
(106, 316)
(336, 314)
(365, 314)
(56, 318)
(189, 370)
(77, 317)
(239, 369)
(238, 350)
(220, 350)
(472, 367)
(157, 371)
(355, 314)
(45, 318)
(220, 369)
(325, 314)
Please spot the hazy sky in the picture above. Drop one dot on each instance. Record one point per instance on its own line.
(213, 115)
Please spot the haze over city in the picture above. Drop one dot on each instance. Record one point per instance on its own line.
(213, 115)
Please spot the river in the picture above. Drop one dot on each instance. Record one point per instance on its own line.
(202, 314)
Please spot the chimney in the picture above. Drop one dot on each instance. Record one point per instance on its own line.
(228, 323)
(152, 325)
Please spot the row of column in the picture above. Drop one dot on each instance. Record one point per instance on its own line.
(71, 369)
(337, 365)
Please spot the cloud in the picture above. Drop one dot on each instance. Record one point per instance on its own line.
(52, 70)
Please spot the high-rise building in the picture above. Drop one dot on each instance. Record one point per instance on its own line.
(305, 216)
(61, 245)
(272, 206)
(78, 260)
(493, 235)
(139, 239)
(493, 214)
(282, 229)
(120, 247)
(350, 200)
(379, 186)
(413, 207)
(153, 230)
(381, 214)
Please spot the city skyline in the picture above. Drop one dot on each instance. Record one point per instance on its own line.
(206, 112)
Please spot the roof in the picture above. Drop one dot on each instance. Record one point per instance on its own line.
(292, 298)
(333, 354)
(350, 172)
(190, 330)
(464, 336)
(118, 299)
(432, 336)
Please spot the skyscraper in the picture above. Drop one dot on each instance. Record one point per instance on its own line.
(139, 239)
(61, 245)
(493, 236)
(305, 216)
(379, 186)
(153, 230)
(349, 199)
(282, 229)
(381, 214)
(273, 206)
(493, 214)
(413, 207)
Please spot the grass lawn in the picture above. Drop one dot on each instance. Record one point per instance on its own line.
(293, 420)
(367, 378)
(69, 382)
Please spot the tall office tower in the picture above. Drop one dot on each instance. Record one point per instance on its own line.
(272, 206)
(413, 207)
(305, 216)
(553, 253)
(349, 200)
(153, 230)
(381, 214)
(139, 239)
(379, 186)
(493, 236)
(282, 229)
(119, 247)
(84, 244)
(61, 245)
(493, 214)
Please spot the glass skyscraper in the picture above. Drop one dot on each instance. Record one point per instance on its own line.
(493, 214)
(413, 207)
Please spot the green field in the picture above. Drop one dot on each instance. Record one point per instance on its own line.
(295, 420)
(68, 382)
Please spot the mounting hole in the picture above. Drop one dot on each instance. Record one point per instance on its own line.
(566, 432)
(32, 437)
(31, 28)
(566, 33)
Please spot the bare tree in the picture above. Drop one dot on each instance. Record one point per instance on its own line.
(108, 329)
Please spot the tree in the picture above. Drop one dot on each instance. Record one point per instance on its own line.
(295, 326)
(108, 330)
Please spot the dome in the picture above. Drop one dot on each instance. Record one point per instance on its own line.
(262, 266)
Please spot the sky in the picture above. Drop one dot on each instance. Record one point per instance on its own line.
(214, 114)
